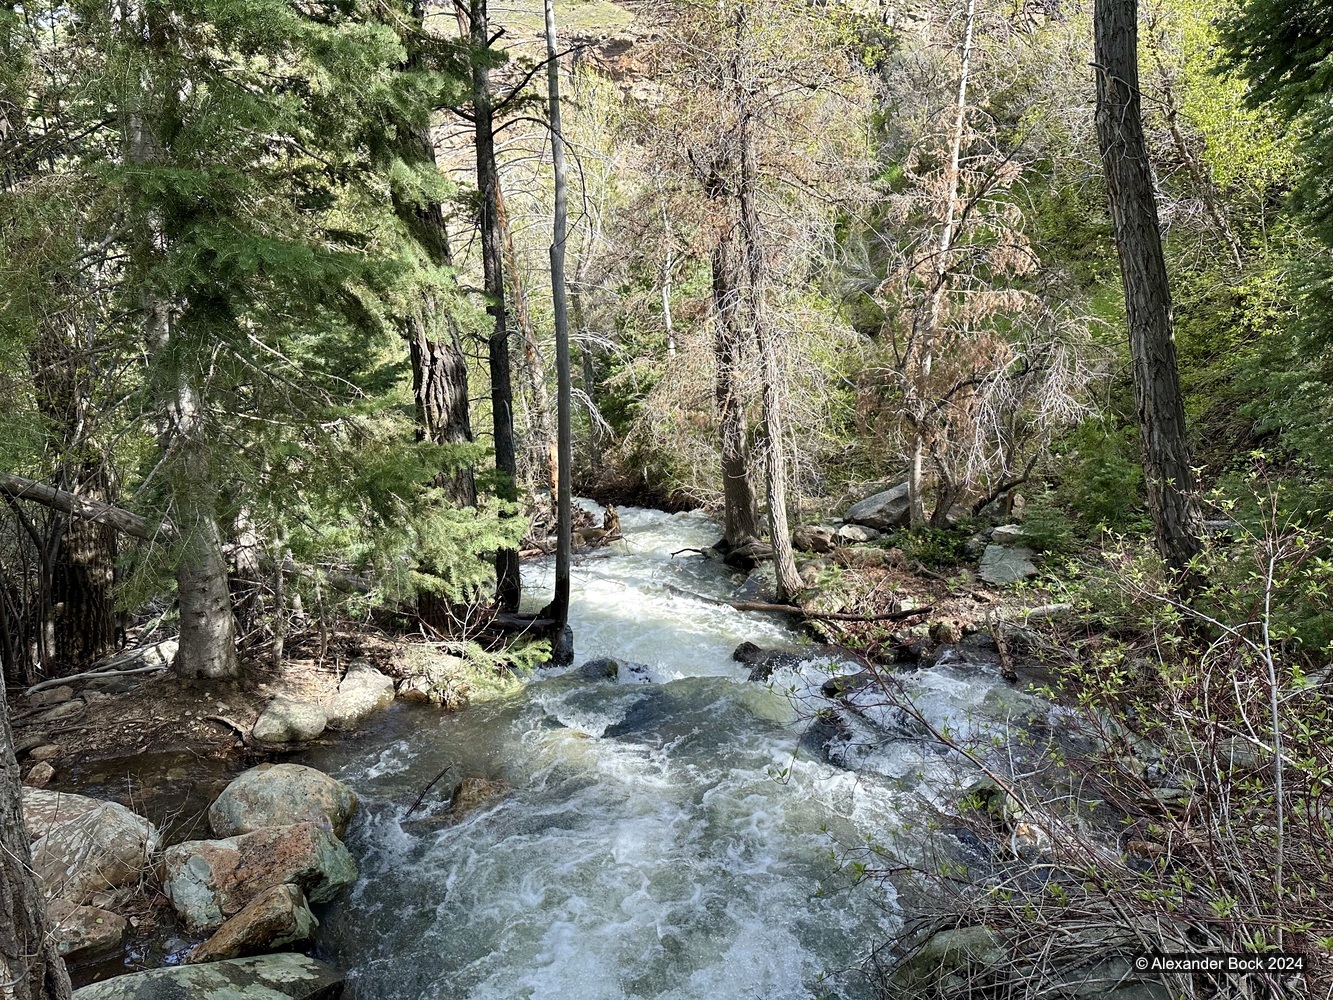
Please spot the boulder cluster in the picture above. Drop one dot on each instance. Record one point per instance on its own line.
(277, 850)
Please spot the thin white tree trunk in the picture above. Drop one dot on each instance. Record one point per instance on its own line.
(948, 233)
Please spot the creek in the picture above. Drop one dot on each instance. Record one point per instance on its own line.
(667, 835)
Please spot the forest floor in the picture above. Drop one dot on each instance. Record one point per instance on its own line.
(116, 717)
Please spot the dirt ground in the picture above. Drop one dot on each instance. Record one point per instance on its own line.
(158, 712)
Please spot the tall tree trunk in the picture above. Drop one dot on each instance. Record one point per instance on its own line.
(740, 515)
(1172, 502)
(558, 610)
(773, 391)
(207, 624)
(508, 584)
(30, 966)
(930, 334)
(83, 559)
(439, 367)
(83, 583)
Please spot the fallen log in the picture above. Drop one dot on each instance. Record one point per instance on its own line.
(832, 616)
(792, 609)
(139, 661)
(21, 488)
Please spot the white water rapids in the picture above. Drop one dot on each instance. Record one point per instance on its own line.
(663, 837)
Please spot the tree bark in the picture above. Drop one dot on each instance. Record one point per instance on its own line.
(558, 610)
(30, 966)
(930, 334)
(208, 626)
(508, 584)
(439, 367)
(740, 516)
(1172, 501)
(84, 580)
(773, 394)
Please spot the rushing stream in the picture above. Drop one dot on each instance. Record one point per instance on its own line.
(663, 836)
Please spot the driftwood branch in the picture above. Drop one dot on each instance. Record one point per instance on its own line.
(93, 674)
(21, 488)
(427, 789)
(832, 616)
(792, 609)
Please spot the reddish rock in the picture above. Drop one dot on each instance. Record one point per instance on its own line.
(276, 917)
(209, 881)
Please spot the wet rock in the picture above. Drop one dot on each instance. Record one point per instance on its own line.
(1001, 565)
(748, 556)
(949, 963)
(814, 538)
(883, 511)
(912, 652)
(288, 721)
(82, 846)
(945, 630)
(474, 793)
(51, 696)
(1008, 534)
(857, 534)
(997, 803)
(748, 653)
(39, 775)
(276, 917)
(601, 669)
(280, 795)
(48, 752)
(84, 930)
(845, 684)
(414, 689)
(362, 692)
(822, 737)
(262, 977)
(209, 881)
(762, 669)
(562, 650)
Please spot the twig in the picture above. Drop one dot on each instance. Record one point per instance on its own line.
(427, 789)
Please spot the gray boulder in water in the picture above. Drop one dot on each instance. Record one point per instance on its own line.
(264, 977)
(603, 668)
(289, 721)
(280, 795)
